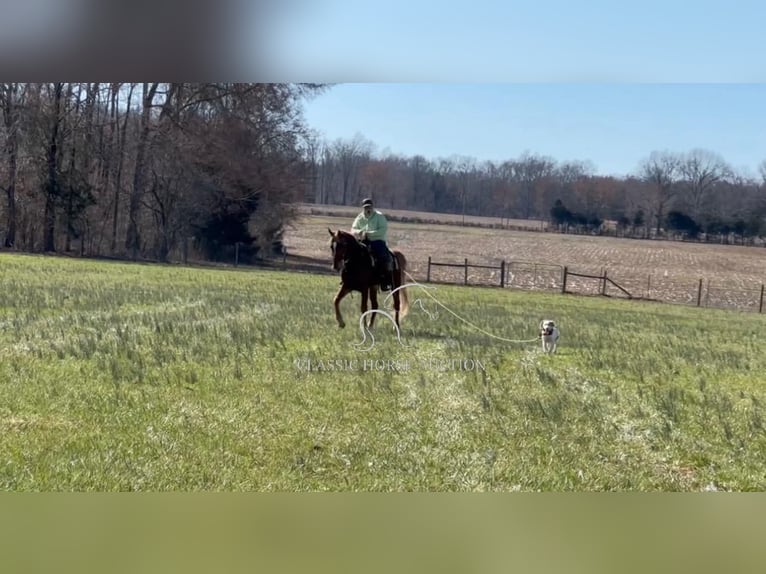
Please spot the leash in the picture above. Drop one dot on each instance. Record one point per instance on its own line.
(467, 322)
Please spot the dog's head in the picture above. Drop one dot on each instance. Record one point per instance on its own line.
(546, 327)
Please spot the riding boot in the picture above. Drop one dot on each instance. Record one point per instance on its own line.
(386, 283)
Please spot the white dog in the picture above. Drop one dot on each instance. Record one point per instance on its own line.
(549, 335)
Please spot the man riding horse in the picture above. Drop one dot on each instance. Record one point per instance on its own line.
(371, 227)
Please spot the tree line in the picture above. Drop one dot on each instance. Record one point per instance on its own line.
(670, 193)
(162, 170)
(147, 169)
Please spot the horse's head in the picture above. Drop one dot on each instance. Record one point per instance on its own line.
(341, 245)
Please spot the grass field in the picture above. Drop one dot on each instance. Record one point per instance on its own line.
(138, 377)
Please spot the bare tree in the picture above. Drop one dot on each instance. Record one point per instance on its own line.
(700, 171)
(11, 101)
(419, 197)
(375, 179)
(312, 149)
(133, 238)
(506, 189)
(530, 171)
(327, 174)
(350, 156)
(465, 168)
(488, 174)
(122, 132)
(52, 186)
(565, 178)
(169, 196)
(661, 170)
(442, 185)
(185, 146)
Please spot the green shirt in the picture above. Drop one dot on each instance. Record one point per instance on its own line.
(376, 225)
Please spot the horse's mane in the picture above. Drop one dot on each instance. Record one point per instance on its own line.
(346, 235)
(349, 239)
(355, 248)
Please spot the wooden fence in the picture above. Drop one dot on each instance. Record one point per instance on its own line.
(603, 279)
(465, 265)
(529, 274)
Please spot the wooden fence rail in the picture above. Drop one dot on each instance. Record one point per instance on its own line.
(465, 265)
(700, 297)
(603, 279)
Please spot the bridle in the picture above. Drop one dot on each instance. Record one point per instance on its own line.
(352, 249)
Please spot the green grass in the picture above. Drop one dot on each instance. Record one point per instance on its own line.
(136, 377)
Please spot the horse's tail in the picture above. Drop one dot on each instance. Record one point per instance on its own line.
(404, 303)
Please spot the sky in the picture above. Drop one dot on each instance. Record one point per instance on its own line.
(596, 80)
(612, 126)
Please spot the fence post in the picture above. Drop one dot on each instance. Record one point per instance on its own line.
(466, 271)
(699, 294)
(236, 254)
(502, 273)
(603, 283)
(760, 305)
(428, 273)
(649, 286)
(564, 280)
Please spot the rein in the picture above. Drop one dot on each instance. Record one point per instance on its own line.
(354, 252)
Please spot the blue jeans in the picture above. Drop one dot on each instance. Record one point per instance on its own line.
(379, 251)
(383, 263)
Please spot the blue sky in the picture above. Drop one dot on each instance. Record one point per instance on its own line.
(614, 126)
(605, 81)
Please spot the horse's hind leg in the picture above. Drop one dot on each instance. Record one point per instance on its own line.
(365, 297)
(338, 298)
(396, 306)
(374, 302)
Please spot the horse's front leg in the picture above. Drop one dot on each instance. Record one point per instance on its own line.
(374, 301)
(338, 298)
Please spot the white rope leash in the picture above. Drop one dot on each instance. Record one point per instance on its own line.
(477, 328)
(365, 331)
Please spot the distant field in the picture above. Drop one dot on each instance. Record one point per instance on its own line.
(128, 377)
(664, 270)
(424, 216)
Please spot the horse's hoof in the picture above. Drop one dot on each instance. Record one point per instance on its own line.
(341, 325)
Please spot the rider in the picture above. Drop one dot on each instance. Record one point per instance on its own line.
(371, 226)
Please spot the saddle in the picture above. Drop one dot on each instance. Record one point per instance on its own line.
(384, 277)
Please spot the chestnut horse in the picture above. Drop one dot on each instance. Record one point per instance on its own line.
(353, 259)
